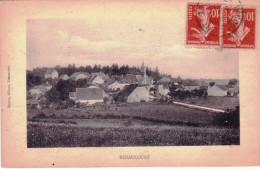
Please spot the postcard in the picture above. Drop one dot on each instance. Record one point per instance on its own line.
(130, 83)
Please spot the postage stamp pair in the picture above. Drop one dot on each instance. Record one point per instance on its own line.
(214, 25)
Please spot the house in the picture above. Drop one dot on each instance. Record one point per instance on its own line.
(72, 95)
(96, 80)
(64, 77)
(117, 77)
(203, 83)
(79, 75)
(116, 86)
(190, 85)
(100, 74)
(51, 74)
(129, 79)
(148, 87)
(204, 88)
(39, 90)
(233, 90)
(134, 93)
(88, 95)
(217, 90)
(104, 89)
(145, 80)
(33, 103)
(163, 90)
(179, 86)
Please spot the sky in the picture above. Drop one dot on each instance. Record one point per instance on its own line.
(155, 35)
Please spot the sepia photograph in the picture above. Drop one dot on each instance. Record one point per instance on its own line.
(126, 83)
(108, 83)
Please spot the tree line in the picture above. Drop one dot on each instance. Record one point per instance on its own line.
(36, 76)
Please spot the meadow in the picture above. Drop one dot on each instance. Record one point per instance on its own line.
(136, 124)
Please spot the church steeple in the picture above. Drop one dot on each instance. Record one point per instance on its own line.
(145, 72)
(143, 67)
(157, 69)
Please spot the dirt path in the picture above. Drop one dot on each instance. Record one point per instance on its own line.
(199, 107)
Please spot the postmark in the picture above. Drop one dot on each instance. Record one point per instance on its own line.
(238, 27)
(203, 24)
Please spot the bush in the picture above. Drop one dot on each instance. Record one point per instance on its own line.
(230, 119)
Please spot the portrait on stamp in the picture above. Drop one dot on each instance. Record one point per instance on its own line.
(203, 24)
(239, 27)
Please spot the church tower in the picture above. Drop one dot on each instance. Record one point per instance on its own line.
(143, 68)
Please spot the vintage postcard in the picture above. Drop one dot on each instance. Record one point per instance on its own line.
(130, 83)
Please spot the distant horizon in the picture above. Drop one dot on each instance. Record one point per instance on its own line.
(153, 69)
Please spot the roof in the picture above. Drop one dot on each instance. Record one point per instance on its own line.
(128, 90)
(50, 71)
(74, 75)
(98, 74)
(113, 83)
(203, 83)
(109, 82)
(167, 86)
(117, 77)
(129, 78)
(189, 83)
(64, 75)
(89, 94)
(165, 80)
(94, 77)
(223, 87)
(203, 87)
(228, 88)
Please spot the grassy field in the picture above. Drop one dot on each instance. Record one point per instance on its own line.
(152, 111)
(215, 102)
(68, 136)
(137, 124)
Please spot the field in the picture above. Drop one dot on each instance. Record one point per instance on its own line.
(215, 102)
(137, 124)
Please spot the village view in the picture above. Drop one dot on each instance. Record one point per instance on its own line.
(104, 106)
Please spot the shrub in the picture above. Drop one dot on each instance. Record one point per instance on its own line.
(230, 119)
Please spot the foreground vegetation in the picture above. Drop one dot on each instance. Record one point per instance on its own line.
(137, 124)
(68, 136)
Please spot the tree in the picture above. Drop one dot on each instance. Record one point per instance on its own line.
(105, 69)
(95, 68)
(32, 80)
(157, 69)
(81, 83)
(179, 79)
(53, 96)
(64, 87)
(123, 70)
(172, 90)
(212, 84)
(88, 69)
(233, 82)
(115, 69)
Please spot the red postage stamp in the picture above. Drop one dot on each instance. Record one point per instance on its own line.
(203, 25)
(239, 28)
